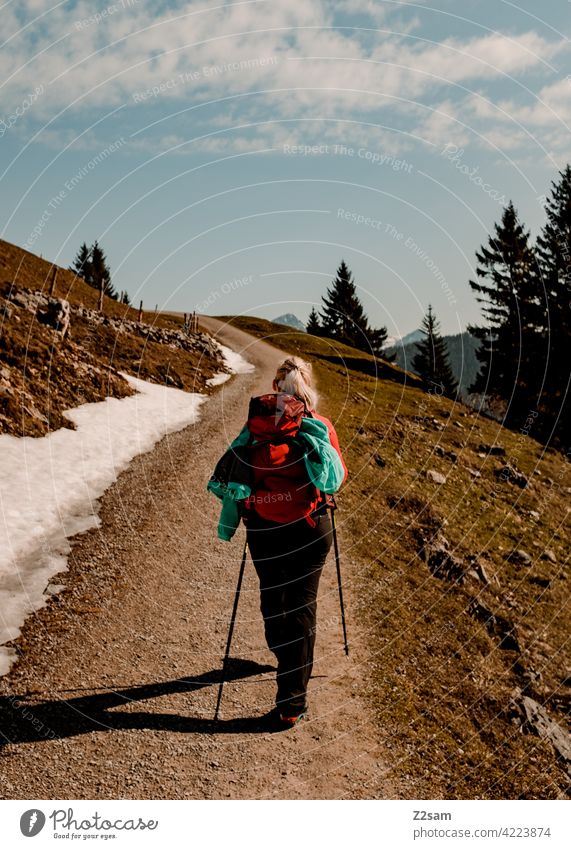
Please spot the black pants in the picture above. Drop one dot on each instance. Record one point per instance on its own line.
(289, 560)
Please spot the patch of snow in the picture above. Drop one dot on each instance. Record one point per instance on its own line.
(235, 362)
(49, 488)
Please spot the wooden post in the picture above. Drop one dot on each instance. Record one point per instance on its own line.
(140, 313)
(54, 280)
(101, 290)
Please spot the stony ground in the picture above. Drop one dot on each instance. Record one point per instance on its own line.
(114, 692)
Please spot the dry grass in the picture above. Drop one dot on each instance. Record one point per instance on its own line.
(441, 685)
(43, 377)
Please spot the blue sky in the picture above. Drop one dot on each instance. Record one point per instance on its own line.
(228, 155)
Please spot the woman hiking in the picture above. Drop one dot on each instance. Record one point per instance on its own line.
(268, 478)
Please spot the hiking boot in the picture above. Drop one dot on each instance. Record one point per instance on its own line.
(290, 721)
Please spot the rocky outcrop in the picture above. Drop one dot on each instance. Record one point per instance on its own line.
(534, 719)
(59, 313)
(496, 625)
(440, 560)
(511, 474)
(56, 315)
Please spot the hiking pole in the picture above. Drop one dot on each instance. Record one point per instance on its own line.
(231, 631)
(338, 565)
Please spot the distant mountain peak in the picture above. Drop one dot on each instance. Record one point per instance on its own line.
(413, 336)
(290, 320)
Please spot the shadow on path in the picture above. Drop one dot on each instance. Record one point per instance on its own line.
(23, 720)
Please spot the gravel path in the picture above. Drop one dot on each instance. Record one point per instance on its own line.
(114, 692)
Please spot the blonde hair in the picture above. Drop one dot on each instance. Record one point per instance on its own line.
(294, 376)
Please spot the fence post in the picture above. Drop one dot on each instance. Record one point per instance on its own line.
(54, 279)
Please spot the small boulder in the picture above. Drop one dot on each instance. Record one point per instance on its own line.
(512, 475)
(435, 476)
(518, 555)
(494, 450)
(57, 315)
(549, 554)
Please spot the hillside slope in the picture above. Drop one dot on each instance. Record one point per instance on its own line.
(461, 352)
(462, 531)
(43, 374)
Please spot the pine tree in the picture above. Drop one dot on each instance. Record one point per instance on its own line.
(91, 265)
(125, 299)
(101, 274)
(313, 326)
(377, 339)
(508, 292)
(82, 264)
(431, 363)
(554, 257)
(343, 316)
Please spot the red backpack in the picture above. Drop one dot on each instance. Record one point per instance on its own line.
(282, 491)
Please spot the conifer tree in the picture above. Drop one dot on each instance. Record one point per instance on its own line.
(91, 265)
(313, 326)
(431, 363)
(343, 316)
(554, 257)
(82, 264)
(101, 274)
(507, 289)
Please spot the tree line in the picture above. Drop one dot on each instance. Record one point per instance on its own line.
(343, 318)
(524, 292)
(91, 265)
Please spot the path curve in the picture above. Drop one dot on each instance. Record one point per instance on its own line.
(114, 694)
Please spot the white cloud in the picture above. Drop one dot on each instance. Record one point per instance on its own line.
(99, 64)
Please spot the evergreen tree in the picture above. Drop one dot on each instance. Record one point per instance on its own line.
(313, 326)
(91, 265)
(431, 363)
(343, 316)
(507, 289)
(554, 256)
(125, 299)
(377, 339)
(82, 264)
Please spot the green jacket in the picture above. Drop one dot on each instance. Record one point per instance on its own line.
(322, 463)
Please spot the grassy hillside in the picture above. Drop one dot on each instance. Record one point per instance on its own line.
(41, 375)
(460, 636)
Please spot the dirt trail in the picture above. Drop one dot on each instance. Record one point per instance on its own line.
(116, 685)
